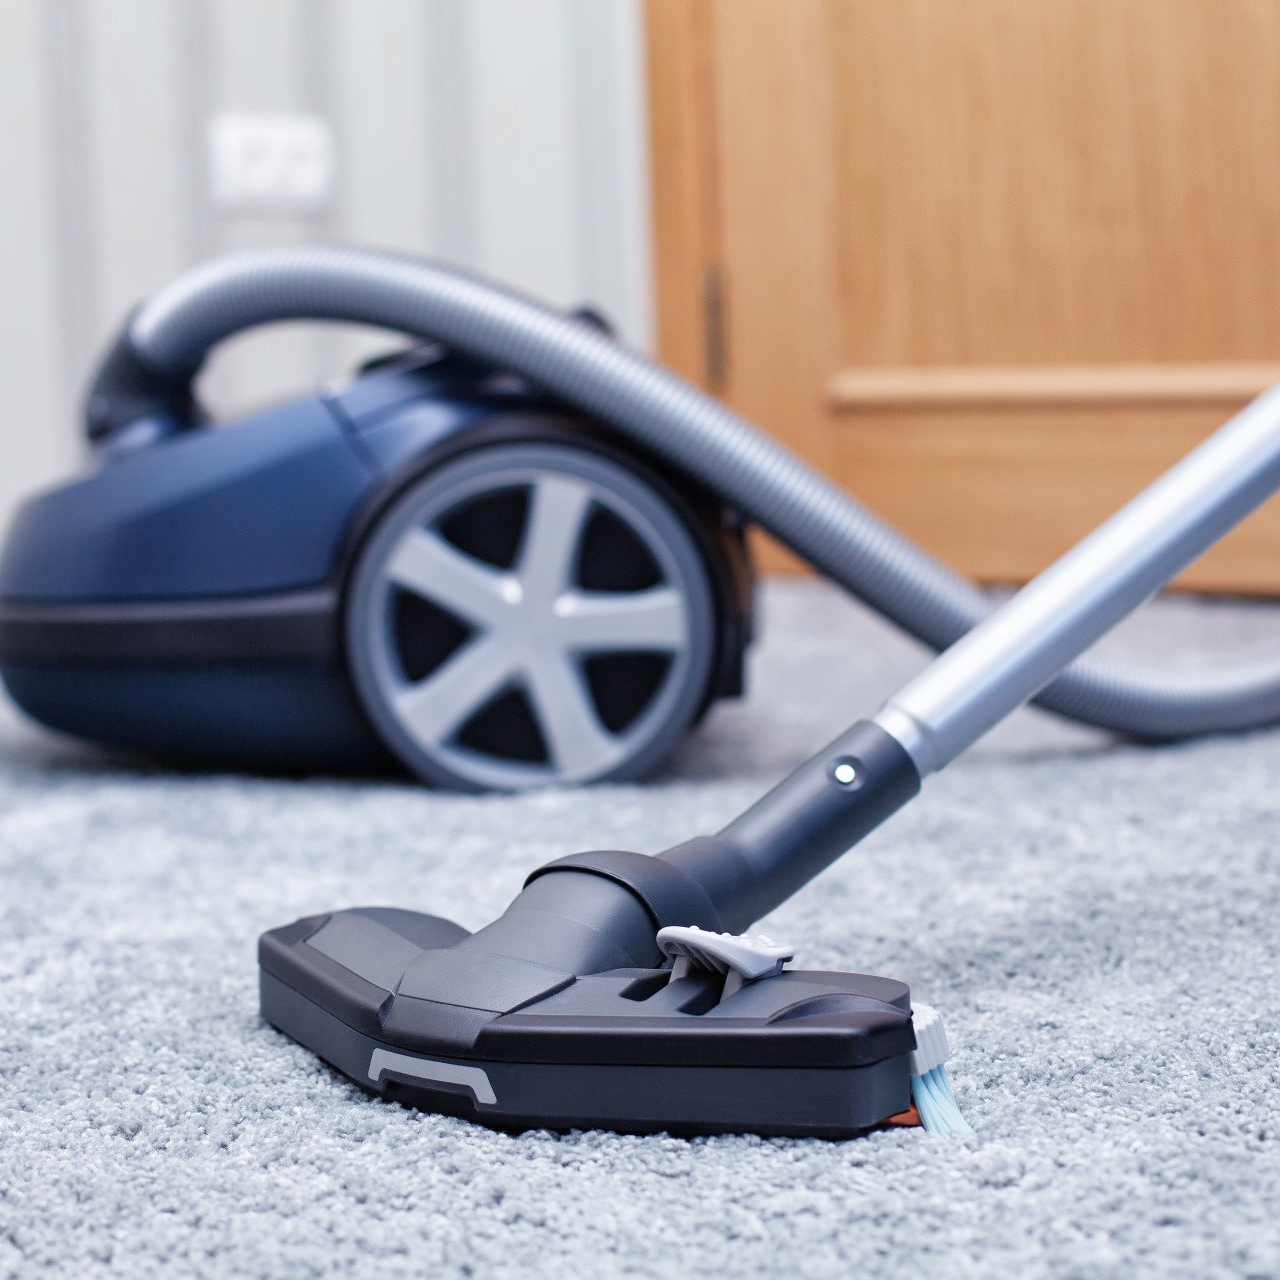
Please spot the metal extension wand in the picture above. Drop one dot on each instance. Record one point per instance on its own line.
(847, 789)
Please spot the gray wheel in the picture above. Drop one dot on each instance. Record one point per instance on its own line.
(527, 615)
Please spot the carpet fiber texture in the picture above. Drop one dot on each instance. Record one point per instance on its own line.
(1099, 924)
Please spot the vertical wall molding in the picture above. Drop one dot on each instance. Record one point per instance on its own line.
(67, 134)
(195, 39)
(611, 144)
(447, 149)
(37, 437)
(319, 57)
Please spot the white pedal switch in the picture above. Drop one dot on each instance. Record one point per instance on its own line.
(741, 957)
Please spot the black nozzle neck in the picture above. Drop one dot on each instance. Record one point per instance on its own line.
(803, 825)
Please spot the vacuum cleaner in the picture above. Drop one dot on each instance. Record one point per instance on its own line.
(619, 990)
(435, 563)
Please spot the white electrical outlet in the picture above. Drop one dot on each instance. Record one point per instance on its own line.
(272, 163)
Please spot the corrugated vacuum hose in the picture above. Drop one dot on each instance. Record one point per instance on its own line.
(168, 338)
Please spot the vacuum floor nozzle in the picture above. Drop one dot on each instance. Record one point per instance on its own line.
(716, 1040)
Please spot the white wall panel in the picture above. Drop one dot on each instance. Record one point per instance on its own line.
(384, 111)
(35, 443)
(610, 117)
(525, 199)
(502, 135)
(135, 178)
(258, 61)
(449, 144)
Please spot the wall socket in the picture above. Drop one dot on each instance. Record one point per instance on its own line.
(271, 163)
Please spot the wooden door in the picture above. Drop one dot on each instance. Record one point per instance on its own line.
(991, 264)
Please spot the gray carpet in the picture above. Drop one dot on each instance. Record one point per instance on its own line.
(1098, 924)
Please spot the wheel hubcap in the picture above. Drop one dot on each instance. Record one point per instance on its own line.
(530, 630)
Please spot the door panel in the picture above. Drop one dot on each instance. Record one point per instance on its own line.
(992, 264)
